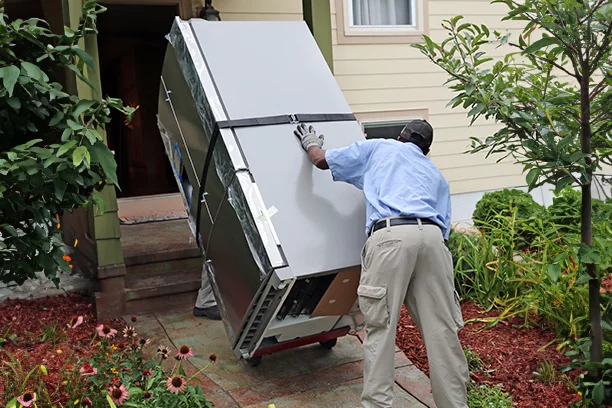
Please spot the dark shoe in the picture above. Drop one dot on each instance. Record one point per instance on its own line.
(211, 313)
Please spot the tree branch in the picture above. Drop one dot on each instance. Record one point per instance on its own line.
(553, 63)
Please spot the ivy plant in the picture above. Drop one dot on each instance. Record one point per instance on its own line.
(52, 152)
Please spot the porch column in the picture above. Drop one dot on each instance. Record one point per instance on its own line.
(317, 14)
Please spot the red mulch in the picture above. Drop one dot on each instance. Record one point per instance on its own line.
(27, 319)
(510, 353)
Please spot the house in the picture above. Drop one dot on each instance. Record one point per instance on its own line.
(367, 44)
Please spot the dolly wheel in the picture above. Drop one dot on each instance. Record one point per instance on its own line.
(254, 361)
(329, 344)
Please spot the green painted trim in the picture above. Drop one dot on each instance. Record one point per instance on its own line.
(317, 14)
(104, 228)
(109, 252)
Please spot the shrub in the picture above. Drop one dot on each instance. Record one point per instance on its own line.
(507, 203)
(52, 153)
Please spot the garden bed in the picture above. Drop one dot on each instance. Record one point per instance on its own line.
(510, 355)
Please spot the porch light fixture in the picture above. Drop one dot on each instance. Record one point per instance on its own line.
(209, 13)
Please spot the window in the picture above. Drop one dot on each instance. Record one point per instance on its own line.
(388, 124)
(383, 130)
(381, 21)
(381, 13)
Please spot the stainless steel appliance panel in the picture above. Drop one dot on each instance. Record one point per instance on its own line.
(320, 223)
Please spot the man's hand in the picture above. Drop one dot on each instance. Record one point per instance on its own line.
(308, 137)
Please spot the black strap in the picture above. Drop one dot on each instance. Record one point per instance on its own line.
(286, 119)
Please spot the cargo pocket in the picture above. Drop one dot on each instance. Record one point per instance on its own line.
(373, 305)
(458, 316)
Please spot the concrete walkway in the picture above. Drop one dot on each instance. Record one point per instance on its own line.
(307, 377)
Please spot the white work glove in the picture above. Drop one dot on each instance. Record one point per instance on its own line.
(308, 136)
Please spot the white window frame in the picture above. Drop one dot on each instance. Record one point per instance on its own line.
(416, 29)
(390, 117)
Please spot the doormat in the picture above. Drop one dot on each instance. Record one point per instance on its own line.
(141, 219)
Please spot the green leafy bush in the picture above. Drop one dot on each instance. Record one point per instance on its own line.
(507, 203)
(52, 151)
(484, 396)
(595, 378)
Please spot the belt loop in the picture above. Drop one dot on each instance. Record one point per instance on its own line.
(420, 223)
(388, 223)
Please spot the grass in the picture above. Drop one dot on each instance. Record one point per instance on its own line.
(475, 363)
(53, 334)
(484, 396)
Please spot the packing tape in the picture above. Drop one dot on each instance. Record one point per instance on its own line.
(269, 213)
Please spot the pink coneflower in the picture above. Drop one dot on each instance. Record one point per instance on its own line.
(184, 352)
(213, 358)
(146, 372)
(75, 322)
(129, 332)
(143, 342)
(106, 331)
(87, 402)
(163, 351)
(175, 384)
(147, 396)
(27, 398)
(119, 394)
(88, 370)
(134, 319)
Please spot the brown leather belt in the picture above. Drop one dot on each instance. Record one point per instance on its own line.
(400, 221)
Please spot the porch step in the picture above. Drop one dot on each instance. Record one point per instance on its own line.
(163, 266)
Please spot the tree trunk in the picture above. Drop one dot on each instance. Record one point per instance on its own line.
(586, 221)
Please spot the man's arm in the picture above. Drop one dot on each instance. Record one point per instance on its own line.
(317, 157)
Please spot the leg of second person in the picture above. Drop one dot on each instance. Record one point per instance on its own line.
(388, 261)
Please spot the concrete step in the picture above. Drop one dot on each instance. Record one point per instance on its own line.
(161, 303)
(162, 290)
(152, 271)
(158, 242)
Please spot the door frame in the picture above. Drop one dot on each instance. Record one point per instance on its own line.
(186, 7)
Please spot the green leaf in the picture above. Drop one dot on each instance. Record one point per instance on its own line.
(598, 393)
(111, 404)
(85, 57)
(34, 71)
(26, 146)
(554, 272)
(81, 107)
(100, 153)
(68, 32)
(50, 161)
(57, 117)
(589, 255)
(564, 182)
(73, 125)
(9, 78)
(60, 189)
(65, 148)
(606, 326)
(79, 155)
(532, 177)
(100, 208)
(541, 43)
(12, 403)
(14, 103)
(10, 229)
(92, 136)
(66, 134)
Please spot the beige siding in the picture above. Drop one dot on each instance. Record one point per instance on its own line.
(259, 10)
(395, 77)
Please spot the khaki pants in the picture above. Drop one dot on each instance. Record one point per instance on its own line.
(411, 265)
(206, 297)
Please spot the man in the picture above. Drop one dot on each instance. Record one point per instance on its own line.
(206, 305)
(405, 260)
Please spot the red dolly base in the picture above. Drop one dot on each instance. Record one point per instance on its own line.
(327, 340)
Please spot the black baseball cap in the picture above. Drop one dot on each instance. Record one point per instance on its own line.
(418, 132)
